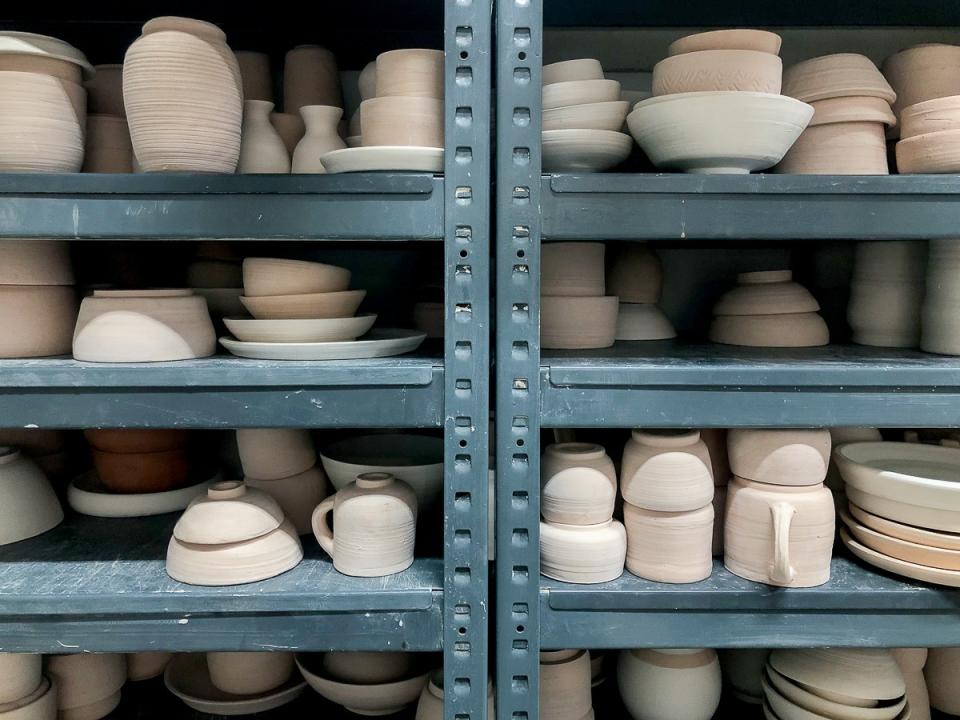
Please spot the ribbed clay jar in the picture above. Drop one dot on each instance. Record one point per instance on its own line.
(666, 470)
(183, 96)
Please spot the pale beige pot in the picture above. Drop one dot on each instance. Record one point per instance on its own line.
(249, 673)
(87, 678)
(885, 313)
(912, 662)
(836, 75)
(572, 269)
(941, 671)
(256, 75)
(105, 91)
(281, 276)
(738, 39)
(274, 453)
(310, 77)
(924, 72)
(146, 665)
(31, 261)
(567, 70)
(261, 149)
(369, 668)
(578, 322)
(583, 554)
(780, 457)
(634, 274)
(108, 147)
(38, 320)
(297, 495)
(666, 470)
(375, 519)
(672, 547)
(777, 534)
(669, 684)
(290, 127)
(847, 148)
(806, 329)
(719, 512)
(716, 441)
(578, 484)
(20, 676)
(28, 504)
(565, 685)
(406, 121)
(410, 73)
(931, 116)
(321, 137)
(767, 292)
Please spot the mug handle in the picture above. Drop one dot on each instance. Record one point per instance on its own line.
(321, 528)
(781, 573)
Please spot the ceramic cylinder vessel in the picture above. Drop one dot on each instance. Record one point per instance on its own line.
(256, 75)
(578, 484)
(320, 137)
(38, 320)
(672, 547)
(575, 323)
(940, 314)
(20, 676)
(183, 97)
(777, 534)
(261, 149)
(274, 453)
(565, 685)
(669, 684)
(410, 73)
(780, 457)
(666, 470)
(941, 672)
(583, 554)
(249, 673)
(634, 274)
(886, 293)
(105, 91)
(108, 147)
(406, 121)
(35, 262)
(375, 519)
(572, 269)
(310, 77)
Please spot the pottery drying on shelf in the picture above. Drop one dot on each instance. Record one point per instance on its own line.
(274, 453)
(108, 148)
(87, 685)
(780, 457)
(923, 573)
(249, 673)
(430, 704)
(591, 116)
(382, 342)
(667, 471)
(743, 670)
(937, 152)
(320, 137)
(837, 75)
(930, 116)
(21, 675)
(578, 484)
(572, 269)
(907, 533)
(41, 704)
(941, 675)
(716, 441)
(669, 684)
(792, 700)
(584, 150)
(105, 91)
(852, 109)
(847, 148)
(578, 322)
(565, 685)
(28, 505)
(768, 292)
(255, 75)
(429, 317)
(376, 521)
(886, 293)
(367, 81)
(373, 159)
(229, 513)
(35, 262)
(368, 668)
(402, 121)
(635, 274)
(142, 473)
(861, 677)
(296, 494)
(583, 553)
(30, 52)
(304, 306)
(718, 132)
(310, 77)
(290, 127)
(669, 547)
(579, 92)
(183, 97)
(571, 70)
(261, 147)
(410, 72)
(924, 72)
(362, 698)
(280, 276)
(940, 322)
(734, 39)
(711, 70)
(643, 322)
(300, 331)
(901, 549)
(790, 330)
(147, 665)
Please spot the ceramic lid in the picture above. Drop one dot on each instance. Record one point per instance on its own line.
(24, 43)
(230, 512)
(864, 673)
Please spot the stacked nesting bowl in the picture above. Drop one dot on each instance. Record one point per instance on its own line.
(886, 293)
(920, 73)
(575, 311)
(930, 137)
(635, 275)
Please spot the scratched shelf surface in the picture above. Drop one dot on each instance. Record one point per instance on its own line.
(223, 392)
(676, 384)
(100, 584)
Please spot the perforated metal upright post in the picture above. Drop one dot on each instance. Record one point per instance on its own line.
(468, 44)
(519, 63)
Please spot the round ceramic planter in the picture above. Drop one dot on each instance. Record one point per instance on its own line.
(667, 471)
(28, 505)
(643, 322)
(578, 484)
(924, 72)
(308, 306)
(851, 676)
(274, 453)
(320, 137)
(410, 72)
(736, 39)
(249, 673)
(38, 319)
(789, 330)
(780, 457)
(669, 684)
(569, 70)
(255, 74)
(583, 554)
(108, 148)
(262, 150)
(21, 675)
(148, 472)
(572, 269)
(402, 121)
(366, 698)
(635, 274)
(310, 77)
(838, 75)
(578, 322)
(670, 547)
(276, 276)
(712, 70)
(105, 91)
(565, 682)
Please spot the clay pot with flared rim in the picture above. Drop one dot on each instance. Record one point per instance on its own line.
(777, 534)
(108, 148)
(732, 39)
(634, 274)
(376, 520)
(767, 292)
(568, 70)
(35, 262)
(643, 322)
(105, 91)
(719, 512)
(320, 137)
(297, 495)
(367, 82)
(582, 151)
(256, 75)
(410, 73)
(742, 670)
(583, 554)
(788, 330)
(572, 269)
(666, 470)
(280, 276)
(146, 665)
(261, 147)
(716, 441)
(669, 684)
(84, 679)
(924, 72)
(274, 453)
(369, 668)
(565, 685)
(943, 665)
(885, 313)
(403, 121)
(711, 70)
(38, 320)
(780, 457)
(932, 153)
(290, 127)
(845, 148)
(249, 673)
(310, 77)
(852, 109)
(837, 75)
(578, 322)
(306, 306)
(578, 484)
(670, 547)
(20, 676)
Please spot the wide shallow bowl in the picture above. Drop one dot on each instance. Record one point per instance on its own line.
(383, 342)
(790, 330)
(792, 702)
(734, 39)
(28, 504)
(901, 549)
(930, 116)
(384, 158)
(230, 512)
(936, 152)
(88, 496)
(298, 331)
(362, 699)
(571, 70)
(908, 533)
(584, 150)
(837, 75)
(950, 578)
(86, 679)
(711, 70)
(768, 292)
(310, 306)
(907, 513)
(718, 132)
(37, 320)
(578, 322)
(863, 676)
(279, 276)
(593, 116)
(636, 321)
(188, 677)
(579, 92)
(35, 262)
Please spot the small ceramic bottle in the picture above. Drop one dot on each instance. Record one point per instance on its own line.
(321, 137)
(376, 521)
(261, 147)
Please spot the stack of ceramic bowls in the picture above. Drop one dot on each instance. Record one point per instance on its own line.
(921, 73)
(742, 672)
(667, 485)
(940, 671)
(216, 274)
(44, 108)
(779, 522)
(582, 118)
(38, 307)
(717, 106)
(565, 684)
(580, 542)
(575, 312)
(108, 148)
(634, 274)
(28, 505)
(140, 461)
(716, 441)
(262, 149)
(88, 686)
(886, 293)
(912, 662)
(768, 309)
(366, 683)
(851, 101)
(930, 136)
(940, 315)
(143, 326)
(430, 704)
(183, 96)
(904, 508)
(834, 683)
(25, 693)
(232, 535)
(282, 463)
(670, 684)
(221, 684)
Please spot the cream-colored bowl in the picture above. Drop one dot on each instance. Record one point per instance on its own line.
(249, 673)
(591, 116)
(279, 276)
(733, 39)
(579, 92)
(297, 331)
(571, 70)
(312, 306)
(712, 70)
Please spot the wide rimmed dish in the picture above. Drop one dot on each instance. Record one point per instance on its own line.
(364, 699)
(950, 578)
(907, 513)
(909, 533)
(87, 496)
(592, 116)
(384, 158)
(584, 150)
(901, 549)
(376, 343)
(300, 330)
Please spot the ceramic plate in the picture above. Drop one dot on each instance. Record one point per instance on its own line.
(384, 157)
(87, 496)
(377, 343)
(300, 331)
(188, 678)
(900, 567)
(924, 517)
(931, 538)
(901, 549)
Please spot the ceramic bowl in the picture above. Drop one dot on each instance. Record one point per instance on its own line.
(852, 109)
(312, 306)
(274, 453)
(279, 276)
(769, 292)
(737, 39)
(906, 513)
(584, 150)
(402, 121)
(937, 152)
(40, 704)
(136, 441)
(297, 495)
(578, 322)
(362, 699)
(249, 673)
(572, 70)
(838, 75)
(930, 116)
(287, 331)
(138, 473)
(902, 549)
(21, 675)
(429, 317)
(861, 676)
(924, 72)
(579, 92)
(230, 512)
(368, 668)
(578, 484)
(38, 320)
(792, 702)
(850, 148)
(88, 496)
(572, 269)
(667, 684)
(146, 665)
(666, 470)
(637, 321)
(411, 72)
(35, 262)
(789, 330)
(635, 274)
(712, 70)
(86, 679)
(28, 505)
(780, 457)
(718, 132)
(583, 554)
(592, 116)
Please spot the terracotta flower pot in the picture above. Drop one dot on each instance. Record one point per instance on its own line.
(297, 495)
(310, 77)
(137, 441)
(249, 673)
(578, 322)
(406, 121)
(139, 473)
(667, 471)
(38, 320)
(582, 554)
(261, 148)
(634, 274)
(321, 137)
(410, 73)
(290, 127)
(565, 685)
(780, 457)
(669, 684)
(578, 484)
(108, 146)
(670, 547)
(711, 70)
(255, 73)
(105, 91)
(572, 269)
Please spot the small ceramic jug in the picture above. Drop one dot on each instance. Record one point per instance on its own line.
(321, 137)
(666, 470)
(565, 683)
(669, 684)
(578, 484)
(376, 520)
(261, 147)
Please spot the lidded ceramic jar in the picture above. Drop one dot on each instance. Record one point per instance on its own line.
(578, 484)
(780, 457)
(669, 684)
(565, 685)
(671, 547)
(261, 147)
(583, 554)
(375, 518)
(666, 470)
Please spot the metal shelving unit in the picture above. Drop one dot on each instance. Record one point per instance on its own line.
(99, 585)
(677, 384)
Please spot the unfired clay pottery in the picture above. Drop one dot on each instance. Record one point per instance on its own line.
(578, 484)
(592, 116)
(375, 159)
(669, 684)
(105, 91)
(849, 109)
(297, 495)
(924, 573)
(838, 75)
(779, 535)
(307, 306)
(369, 668)
(367, 81)
(790, 330)
(183, 97)
(901, 549)
(853, 676)
(846, 148)
(909, 533)
(930, 116)
(743, 670)
(88, 496)
(401, 121)
(718, 132)
(430, 705)
(711, 70)
(565, 685)
(410, 73)
(382, 342)
(290, 127)
(229, 513)
(362, 699)
(719, 513)
(38, 319)
(672, 547)
(791, 700)
(44, 54)
(581, 150)
(320, 137)
(261, 149)
(912, 662)
(301, 331)
(28, 505)
(768, 292)
(35, 262)
(941, 670)
(716, 441)
(274, 453)
(85, 681)
(108, 148)
(578, 322)
(572, 269)
(667, 471)
(937, 152)
(41, 704)
(940, 322)
(146, 665)
(643, 322)
(579, 92)
(310, 77)
(759, 40)
(567, 70)
(138, 473)
(375, 519)
(136, 441)
(249, 673)
(924, 72)
(780, 457)
(256, 76)
(279, 276)
(583, 554)
(20, 676)
(635, 274)
(886, 293)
